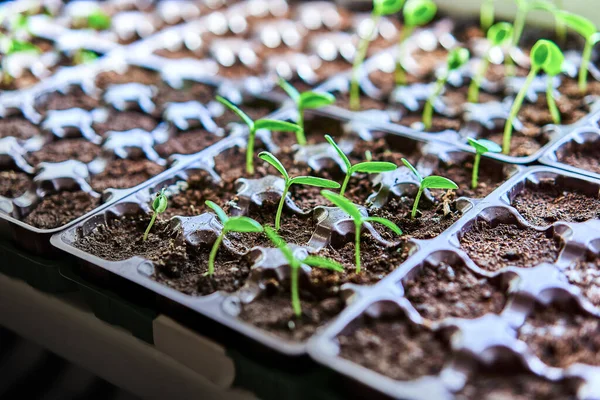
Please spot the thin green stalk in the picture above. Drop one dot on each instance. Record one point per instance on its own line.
(346, 180)
(428, 110)
(517, 32)
(487, 14)
(475, 176)
(583, 69)
(515, 110)
(413, 214)
(213, 254)
(561, 27)
(358, 60)
(149, 227)
(300, 137)
(400, 73)
(280, 207)
(294, 289)
(357, 246)
(551, 102)
(476, 82)
(250, 153)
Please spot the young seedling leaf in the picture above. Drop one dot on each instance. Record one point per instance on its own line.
(99, 20)
(243, 116)
(554, 66)
(387, 7)
(325, 263)
(373, 167)
(412, 169)
(482, 146)
(339, 151)
(312, 100)
(500, 33)
(343, 203)
(276, 125)
(159, 205)
(280, 244)
(271, 159)
(290, 90)
(218, 210)
(18, 46)
(385, 222)
(579, 24)
(243, 225)
(419, 12)
(437, 182)
(314, 181)
(457, 58)
(540, 53)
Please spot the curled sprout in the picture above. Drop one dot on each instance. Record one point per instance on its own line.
(416, 13)
(429, 182)
(159, 205)
(545, 56)
(481, 147)
(298, 180)
(253, 126)
(296, 263)
(498, 35)
(367, 167)
(352, 210)
(230, 224)
(380, 8)
(305, 101)
(456, 59)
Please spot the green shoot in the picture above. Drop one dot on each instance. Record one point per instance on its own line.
(299, 180)
(304, 101)
(416, 13)
(296, 263)
(253, 126)
(487, 12)
(561, 27)
(353, 211)
(380, 8)
(83, 56)
(99, 20)
(481, 147)
(429, 182)
(545, 55)
(587, 29)
(159, 205)
(497, 35)
(456, 59)
(230, 224)
(367, 167)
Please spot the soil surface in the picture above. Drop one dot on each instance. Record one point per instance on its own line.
(395, 347)
(60, 208)
(75, 98)
(584, 156)
(549, 202)
(66, 149)
(562, 335)
(495, 247)
(453, 291)
(13, 184)
(18, 127)
(123, 174)
(187, 143)
(124, 121)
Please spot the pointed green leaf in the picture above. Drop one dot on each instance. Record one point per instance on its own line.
(482, 146)
(276, 125)
(457, 58)
(17, 46)
(243, 116)
(314, 181)
(387, 7)
(339, 151)
(160, 203)
(343, 203)
(373, 167)
(99, 20)
(290, 90)
(218, 210)
(579, 24)
(322, 262)
(412, 169)
(242, 224)
(437, 182)
(280, 244)
(271, 159)
(311, 100)
(500, 33)
(419, 12)
(385, 222)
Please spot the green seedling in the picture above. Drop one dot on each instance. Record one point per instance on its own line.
(253, 126)
(98, 20)
(497, 35)
(456, 59)
(298, 180)
(305, 101)
(83, 56)
(486, 16)
(367, 167)
(481, 147)
(416, 13)
(429, 182)
(230, 224)
(380, 8)
(353, 211)
(545, 56)
(587, 29)
(296, 263)
(159, 205)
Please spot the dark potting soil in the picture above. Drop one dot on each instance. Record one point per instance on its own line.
(495, 247)
(548, 202)
(240, 71)
(124, 121)
(18, 127)
(133, 74)
(187, 143)
(61, 208)
(453, 291)
(254, 111)
(491, 175)
(122, 174)
(585, 156)
(584, 274)
(75, 98)
(395, 347)
(13, 184)
(66, 149)
(562, 335)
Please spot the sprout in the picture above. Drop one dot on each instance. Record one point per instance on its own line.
(456, 59)
(159, 205)
(83, 56)
(230, 224)
(353, 211)
(545, 55)
(306, 100)
(296, 263)
(253, 126)
(481, 147)
(367, 167)
(429, 182)
(299, 180)
(497, 35)
(380, 8)
(416, 13)
(98, 20)
(587, 29)
(487, 12)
